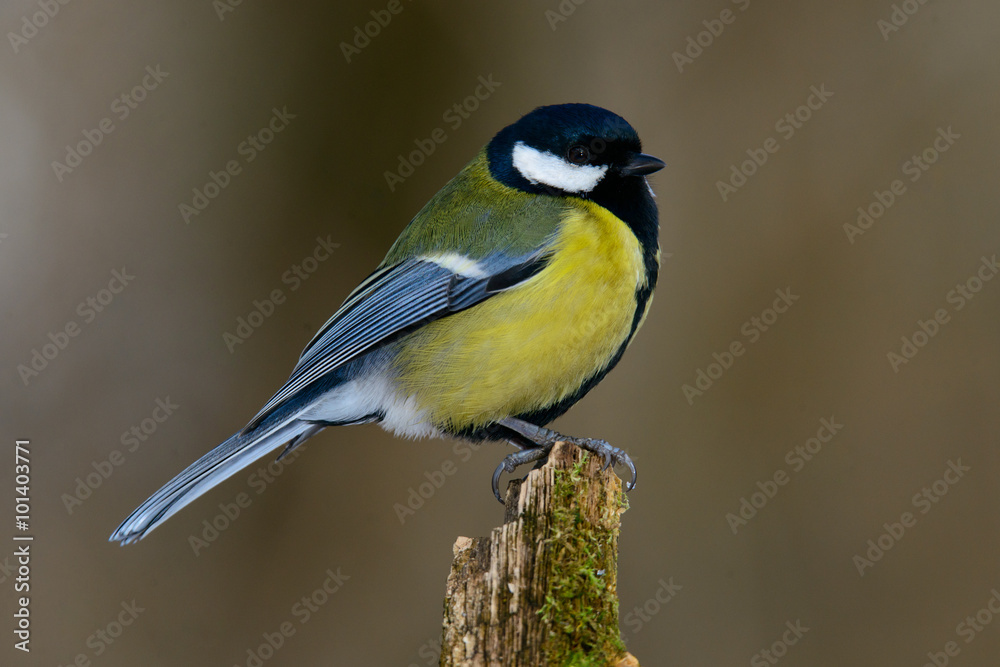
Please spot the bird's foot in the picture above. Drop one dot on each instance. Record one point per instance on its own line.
(544, 439)
(512, 461)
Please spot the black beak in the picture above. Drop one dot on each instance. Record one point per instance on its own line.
(643, 165)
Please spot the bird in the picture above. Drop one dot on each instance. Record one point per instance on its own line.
(504, 301)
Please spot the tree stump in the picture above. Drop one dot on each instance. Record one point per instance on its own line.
(542, 589)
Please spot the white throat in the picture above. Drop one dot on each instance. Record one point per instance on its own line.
(548, 169)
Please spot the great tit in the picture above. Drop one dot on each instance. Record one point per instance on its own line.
(507, 298)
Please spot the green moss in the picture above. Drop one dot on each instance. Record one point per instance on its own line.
(581, 606)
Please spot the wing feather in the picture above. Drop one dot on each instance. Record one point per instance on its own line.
(390, 301)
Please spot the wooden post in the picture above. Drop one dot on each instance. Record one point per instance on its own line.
(542, 588)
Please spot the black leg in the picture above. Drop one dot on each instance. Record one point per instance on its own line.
(512, 461)
(545, 438)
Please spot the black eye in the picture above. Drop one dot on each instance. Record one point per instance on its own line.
(578, 154)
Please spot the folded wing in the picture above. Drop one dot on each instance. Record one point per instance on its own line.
(393, 301)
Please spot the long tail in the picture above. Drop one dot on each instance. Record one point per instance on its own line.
(218, 465)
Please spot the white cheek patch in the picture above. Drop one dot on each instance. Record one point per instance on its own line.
(456, 263)
(548, 169)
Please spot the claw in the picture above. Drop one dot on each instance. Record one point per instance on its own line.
(496, 480)
(631, 467)
(545, 438)
(611, 456)
(512, 461)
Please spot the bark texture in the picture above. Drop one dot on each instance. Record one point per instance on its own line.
(542, 588)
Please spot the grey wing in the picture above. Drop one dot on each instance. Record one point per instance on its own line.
(391, 301)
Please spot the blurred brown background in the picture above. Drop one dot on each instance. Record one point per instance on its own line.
(220, 76)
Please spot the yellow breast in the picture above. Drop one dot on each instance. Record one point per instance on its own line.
(535, 344)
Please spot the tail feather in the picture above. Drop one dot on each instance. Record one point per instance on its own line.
(211, 469)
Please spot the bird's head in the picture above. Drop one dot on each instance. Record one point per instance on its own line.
(569, 149)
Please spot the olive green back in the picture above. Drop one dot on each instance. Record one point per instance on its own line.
(477, 216)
